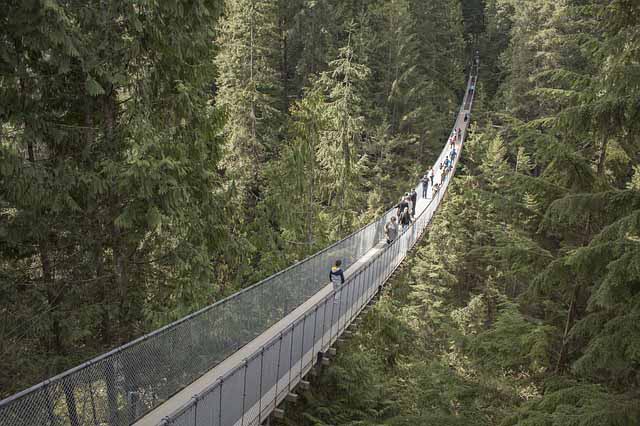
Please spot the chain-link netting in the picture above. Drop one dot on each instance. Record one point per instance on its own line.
(123, 385)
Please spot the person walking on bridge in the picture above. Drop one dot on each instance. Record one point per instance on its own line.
(425, 185)
(391, 230)
(402, 205)
(414, 200)
(409, 207)
(336, 276)
(405, 219)
(459, 134)
(431, 176)
(435, 189)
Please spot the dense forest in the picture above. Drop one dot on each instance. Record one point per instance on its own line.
(522, 306)
(158, 156)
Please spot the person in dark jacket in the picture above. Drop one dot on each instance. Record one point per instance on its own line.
(414, 200)
(336, 276)
(425, 186)
(405, 219)
(403, 204)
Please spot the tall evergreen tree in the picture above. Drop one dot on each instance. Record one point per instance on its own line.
(340, 147)
(297, 177)
(249, 92)
(108, 151)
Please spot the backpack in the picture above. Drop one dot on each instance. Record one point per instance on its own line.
(403, 217)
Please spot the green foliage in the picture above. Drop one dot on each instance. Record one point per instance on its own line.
(578, 405)
(338, 150)
(298, 182)
(156, 156)
(249, 93)
(522, 305)
(513, 343)
(109, 148)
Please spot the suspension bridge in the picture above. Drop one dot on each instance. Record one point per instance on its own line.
(234, 362)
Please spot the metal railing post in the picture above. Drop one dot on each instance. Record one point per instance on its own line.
(244, 391)
(221, 405)
(260, 391)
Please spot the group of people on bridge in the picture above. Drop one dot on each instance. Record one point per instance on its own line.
(405, 212)
(406, 208)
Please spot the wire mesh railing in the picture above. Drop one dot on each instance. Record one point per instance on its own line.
(123, 385)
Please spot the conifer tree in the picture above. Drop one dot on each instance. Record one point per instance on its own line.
(315, 30)
(297, 178)
(340, 148)
(108, 151)
(249, 92)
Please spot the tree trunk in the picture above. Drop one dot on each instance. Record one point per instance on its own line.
(254, 130)
(571, 314)
(55, 339)
(312, 65)
(109, 110)
(285, 64)
(602, 156)
(110, 373)
(70, 398)
(120, 277)
(104, 298)
(310, 195)
(52, 299)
